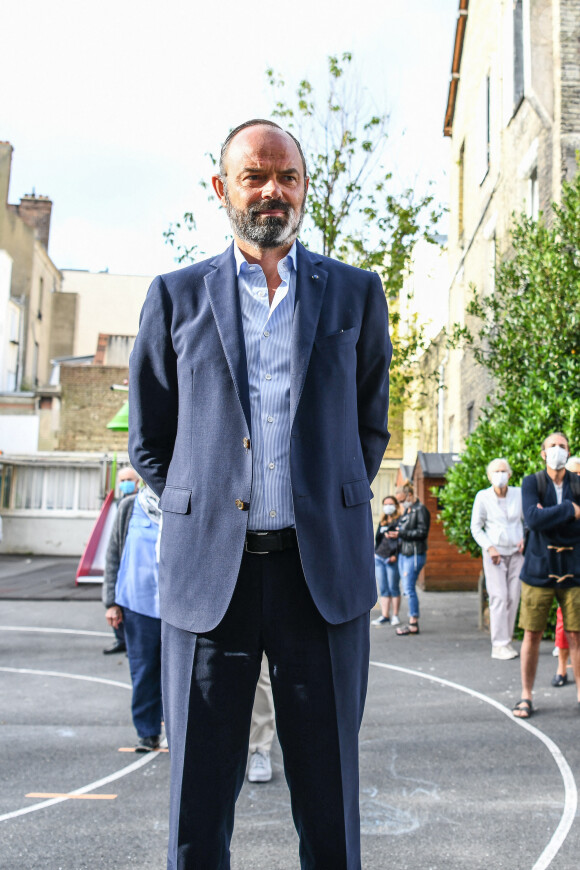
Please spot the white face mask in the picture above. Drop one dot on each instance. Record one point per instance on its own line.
(499, 478)
(556, 457)
(389, 509)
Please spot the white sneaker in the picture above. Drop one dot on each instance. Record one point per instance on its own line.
(380, 620)
(514, 650)
(395, 620)
(503, 652)
(260, 767)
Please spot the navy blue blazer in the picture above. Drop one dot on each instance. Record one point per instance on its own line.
(190, 431)
(552, 526)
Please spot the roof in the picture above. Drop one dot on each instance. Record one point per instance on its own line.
(56, 457)
(406, 471)
(436, 464)
(455, 66)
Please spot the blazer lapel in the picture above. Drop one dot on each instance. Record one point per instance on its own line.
(222, 288)
(310, 286)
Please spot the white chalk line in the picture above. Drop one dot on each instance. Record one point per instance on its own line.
(88, 679)
(570, 790)
(55, 630)
(99, 783)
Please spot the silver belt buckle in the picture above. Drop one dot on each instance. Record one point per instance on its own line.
(256, 552)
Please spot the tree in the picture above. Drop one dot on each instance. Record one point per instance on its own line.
(529, 340)
(352, 211)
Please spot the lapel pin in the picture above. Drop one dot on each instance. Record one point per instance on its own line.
(315, 277)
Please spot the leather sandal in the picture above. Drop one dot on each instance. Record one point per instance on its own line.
(410, 628)
(523, 707)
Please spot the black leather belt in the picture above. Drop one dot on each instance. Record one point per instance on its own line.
(261, 543)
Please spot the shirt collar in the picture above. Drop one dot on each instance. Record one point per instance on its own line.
(240, 259)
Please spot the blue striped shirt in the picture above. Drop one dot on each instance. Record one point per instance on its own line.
(267, 335)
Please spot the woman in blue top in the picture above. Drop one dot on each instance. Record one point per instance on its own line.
(131, 595)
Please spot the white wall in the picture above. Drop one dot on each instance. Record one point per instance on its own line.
(19, 433)
(107, 303)
(426, 288)
(46, 536)
(5, 280)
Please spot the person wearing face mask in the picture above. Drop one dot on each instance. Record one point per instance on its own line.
(131, 596)
(561, 648)
(496, 525)
(128, 480)
(386, 567)
(551, 505)
(412, 534)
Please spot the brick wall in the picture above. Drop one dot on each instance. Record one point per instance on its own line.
(570, 49)
(87, 405)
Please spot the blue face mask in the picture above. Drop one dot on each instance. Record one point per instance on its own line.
(127, 486)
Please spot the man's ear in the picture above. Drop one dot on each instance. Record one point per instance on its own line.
(218, 185)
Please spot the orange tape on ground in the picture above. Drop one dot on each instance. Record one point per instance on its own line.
(132, 749)
(76, 797)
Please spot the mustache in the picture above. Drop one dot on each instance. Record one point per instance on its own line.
(273, 204)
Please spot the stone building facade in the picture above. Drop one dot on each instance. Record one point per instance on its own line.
(24, 236)
(513, 116)
(55, 324)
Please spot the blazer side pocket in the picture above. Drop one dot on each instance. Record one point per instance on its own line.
(345, 336)
(356, 492)
(175, 500)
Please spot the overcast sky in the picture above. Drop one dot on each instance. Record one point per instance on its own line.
(111, 107)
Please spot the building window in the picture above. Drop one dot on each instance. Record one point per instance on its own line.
(461, 191)
(35, 363)
(487, 121)
(533, 199)
(49, 489)
(518, 19)
(40, 298)
(483, 142)
(470, 418)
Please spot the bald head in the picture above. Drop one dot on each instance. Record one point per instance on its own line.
(256, 122)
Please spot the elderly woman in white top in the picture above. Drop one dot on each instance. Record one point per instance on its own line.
(496, 525)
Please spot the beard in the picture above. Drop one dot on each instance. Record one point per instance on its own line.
(251, 226)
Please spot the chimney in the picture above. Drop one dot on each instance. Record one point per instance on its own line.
(35, 211)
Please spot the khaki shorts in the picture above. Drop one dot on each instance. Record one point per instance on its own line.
(536, 602)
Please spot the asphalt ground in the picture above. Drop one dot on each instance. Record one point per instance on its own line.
(449, 779)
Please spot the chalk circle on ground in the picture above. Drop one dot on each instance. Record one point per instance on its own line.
(570, 790)
(85, 789)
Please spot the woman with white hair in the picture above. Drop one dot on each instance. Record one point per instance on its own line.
(497, 526)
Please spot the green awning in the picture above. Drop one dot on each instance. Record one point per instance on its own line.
(120, 422)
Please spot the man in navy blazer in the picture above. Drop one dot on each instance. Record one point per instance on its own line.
(551, 568)
(259, 399)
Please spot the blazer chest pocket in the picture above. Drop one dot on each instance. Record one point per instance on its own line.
(356, 492)
(175, 500)
(336, 339)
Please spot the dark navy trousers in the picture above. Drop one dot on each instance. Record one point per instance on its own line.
(143, 639)
(319, 678)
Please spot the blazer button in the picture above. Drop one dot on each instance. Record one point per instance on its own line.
(246, 443)
(242, 505)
